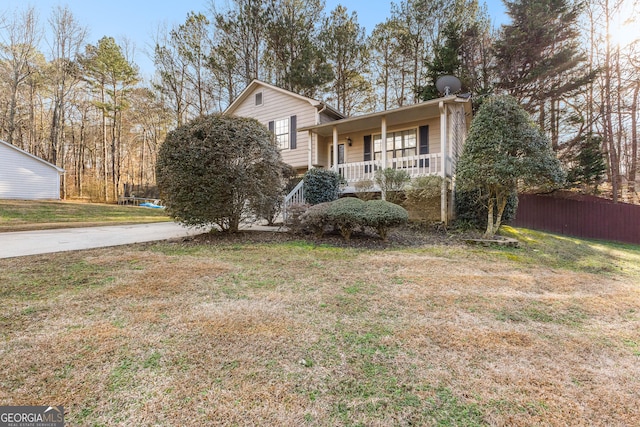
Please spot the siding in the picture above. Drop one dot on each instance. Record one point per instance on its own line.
(26, 178)
(277, 105)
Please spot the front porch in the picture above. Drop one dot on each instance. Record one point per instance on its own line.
(422, 139)
(415, 166)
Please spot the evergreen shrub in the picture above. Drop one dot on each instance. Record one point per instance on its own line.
(321, 185)
(382, 215)
(346, 214)
(316, 219)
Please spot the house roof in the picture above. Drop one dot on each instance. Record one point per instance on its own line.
(257, 83)
(396, 116)
(60, 170)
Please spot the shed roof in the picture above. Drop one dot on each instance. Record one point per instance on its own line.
(21, 151)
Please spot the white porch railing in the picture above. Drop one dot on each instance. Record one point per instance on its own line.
(295, 196)
(415, 166)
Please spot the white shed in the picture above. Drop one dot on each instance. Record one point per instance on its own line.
(27, 177)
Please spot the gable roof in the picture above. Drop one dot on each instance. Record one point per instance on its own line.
(60, 170)
(257, 83)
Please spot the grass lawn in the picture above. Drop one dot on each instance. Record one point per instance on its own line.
(18, 215)
(231, 332)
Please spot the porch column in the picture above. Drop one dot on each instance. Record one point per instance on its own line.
(383, 147)
(443, 153)
(383, 135)
(310, 152)
(335, 148)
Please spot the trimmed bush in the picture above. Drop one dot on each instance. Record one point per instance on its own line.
(294, 217)
(316, 219)
(346, 214)
(382, 215)
(270, 207)
(321, 185)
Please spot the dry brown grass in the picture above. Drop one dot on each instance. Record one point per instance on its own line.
(296, 334)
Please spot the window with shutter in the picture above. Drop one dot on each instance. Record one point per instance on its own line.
(281, 131)
(399, 144)
(423, 138)
(293, 129)
(367, 153)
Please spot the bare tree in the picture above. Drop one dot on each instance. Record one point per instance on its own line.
(67, 38)
(18, 52)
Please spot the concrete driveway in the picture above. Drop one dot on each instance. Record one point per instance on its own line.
(20, 243)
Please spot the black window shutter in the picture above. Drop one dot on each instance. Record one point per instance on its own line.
(367, 148)
(293, 143)
(367, 152)
(272, 126)
(424, 140)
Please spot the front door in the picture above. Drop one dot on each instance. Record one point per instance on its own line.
(340, 154)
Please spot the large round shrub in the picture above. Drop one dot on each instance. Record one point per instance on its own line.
(383, 215)
(218, 170)
(346, 214)
(321, 185)
(315, 218)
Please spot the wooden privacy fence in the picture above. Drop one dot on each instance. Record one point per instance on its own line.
(579, 216)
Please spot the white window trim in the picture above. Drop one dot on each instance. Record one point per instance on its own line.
(255, 99)
(288, 133)
(391, 132)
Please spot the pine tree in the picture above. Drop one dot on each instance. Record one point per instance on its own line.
(343, 41)
(463, 51)
(446, 61)
(111, 76)
(295, 61)
(588, 164)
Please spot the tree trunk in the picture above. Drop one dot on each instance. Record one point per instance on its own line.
(634, 142)
(490, 232)
(608, 113)
(502, 204)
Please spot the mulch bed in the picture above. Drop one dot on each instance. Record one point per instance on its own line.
(402, 237)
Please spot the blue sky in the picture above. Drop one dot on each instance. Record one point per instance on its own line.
(138, 20)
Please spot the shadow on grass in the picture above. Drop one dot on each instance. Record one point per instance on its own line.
(557, 251)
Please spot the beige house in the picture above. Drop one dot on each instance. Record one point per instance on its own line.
(422, 139)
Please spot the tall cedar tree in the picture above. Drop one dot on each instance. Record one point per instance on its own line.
(538, 59)
(505, 151)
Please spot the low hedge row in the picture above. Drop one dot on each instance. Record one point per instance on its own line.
(348, 214)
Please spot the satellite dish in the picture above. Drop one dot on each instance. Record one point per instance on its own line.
(448, 85)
